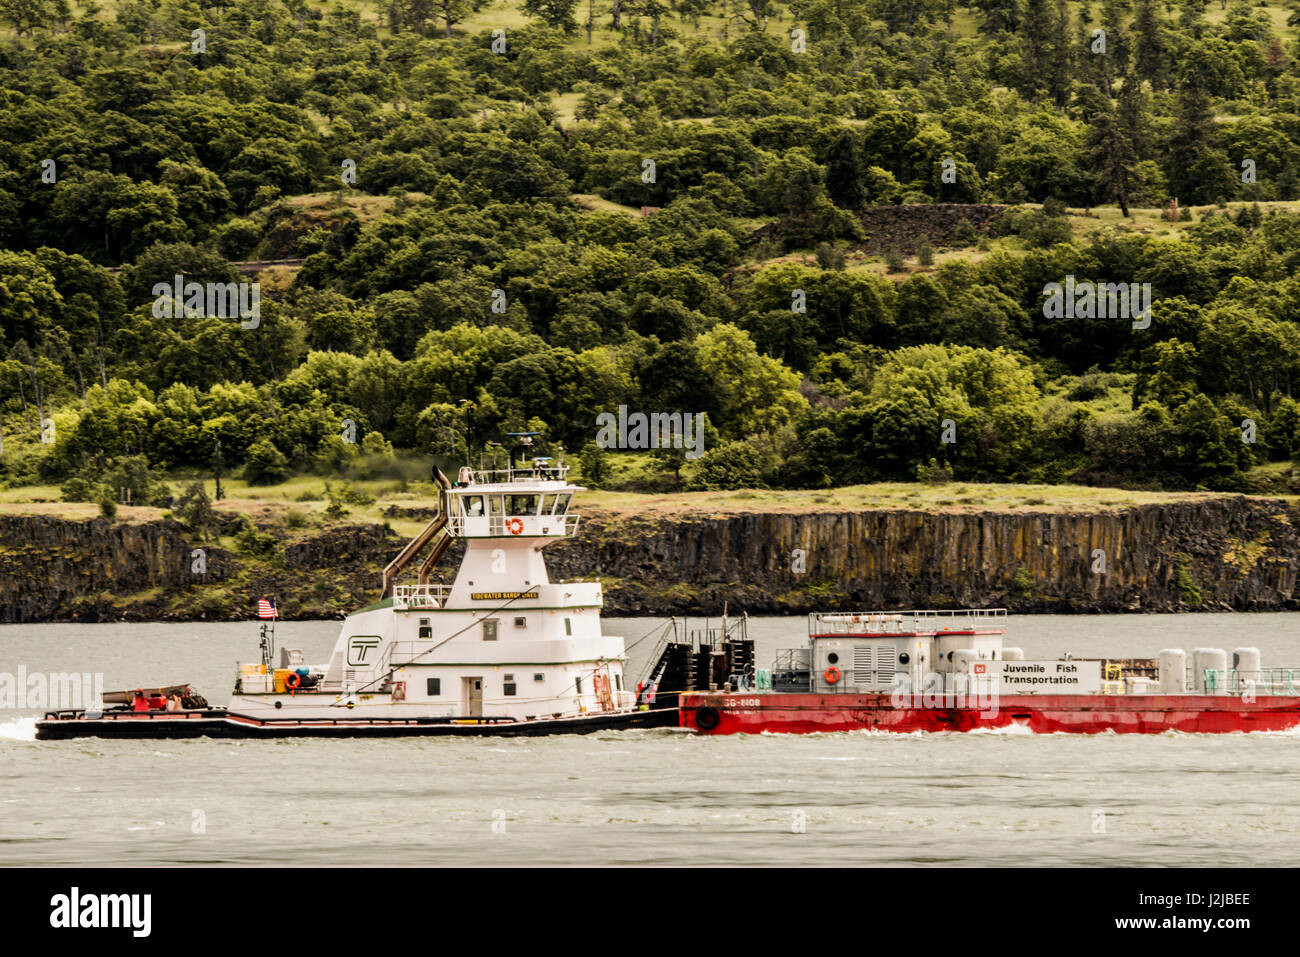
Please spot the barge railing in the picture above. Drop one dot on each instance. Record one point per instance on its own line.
(920, 619)
(1265, 681)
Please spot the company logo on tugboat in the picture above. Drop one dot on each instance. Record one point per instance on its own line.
(359, 648)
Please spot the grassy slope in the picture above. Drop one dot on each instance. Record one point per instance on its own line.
(275, 504)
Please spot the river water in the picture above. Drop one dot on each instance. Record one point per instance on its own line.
(647, 797)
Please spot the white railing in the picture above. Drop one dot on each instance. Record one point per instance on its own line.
(853, 622)
(520, 473)
(556, 526)
(420, 596)
(1265, 681)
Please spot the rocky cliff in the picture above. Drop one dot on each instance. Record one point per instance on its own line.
(1216, 553)
(1231, 553)
(898, 226)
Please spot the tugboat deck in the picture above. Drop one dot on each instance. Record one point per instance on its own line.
(221, 723)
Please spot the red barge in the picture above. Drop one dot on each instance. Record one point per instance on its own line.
(951, 671)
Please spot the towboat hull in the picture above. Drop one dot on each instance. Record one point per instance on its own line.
(221, 723)
(740, 713)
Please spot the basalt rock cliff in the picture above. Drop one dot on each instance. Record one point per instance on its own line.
(1225, 553)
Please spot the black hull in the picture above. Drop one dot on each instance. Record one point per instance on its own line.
(219, 723)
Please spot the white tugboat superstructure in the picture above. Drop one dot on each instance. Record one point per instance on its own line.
(502, 643)
(501, 650)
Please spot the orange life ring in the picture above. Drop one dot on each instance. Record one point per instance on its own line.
(516, 525)
(292, 681)
(832, 675)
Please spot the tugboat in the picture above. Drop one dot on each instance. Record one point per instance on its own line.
(502, 650)
(950, 671)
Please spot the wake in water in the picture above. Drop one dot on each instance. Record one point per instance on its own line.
(19, 729)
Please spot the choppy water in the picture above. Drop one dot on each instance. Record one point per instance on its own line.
(648, 797)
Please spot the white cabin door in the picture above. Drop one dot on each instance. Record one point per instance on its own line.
(473, 697)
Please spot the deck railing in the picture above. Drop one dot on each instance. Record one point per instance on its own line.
(520, 473)
(420, 596)
(1265, 681)
(853, 622)
(557, 526)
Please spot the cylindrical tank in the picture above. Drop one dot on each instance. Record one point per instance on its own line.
(1209, 659)
(1173, 671)
(1013, 654)
(1245, 662)
(962, 660)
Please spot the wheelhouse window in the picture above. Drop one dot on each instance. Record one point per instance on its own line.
(471, 506)
(562, 503)
(521, 505)
(490, 629)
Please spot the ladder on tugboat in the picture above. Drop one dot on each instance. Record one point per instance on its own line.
(438, 524)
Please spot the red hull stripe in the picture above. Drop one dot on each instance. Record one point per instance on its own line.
(739, 713)
(907, 634)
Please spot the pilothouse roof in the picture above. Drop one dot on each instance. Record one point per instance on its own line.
(540, 472)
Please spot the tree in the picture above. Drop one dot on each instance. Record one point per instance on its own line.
(843, 181)
(1150, 58)
(999, 16)
(1046, 49)
(1111, 154)
(554, 13)
(25, 15)
(452, 12)
(108, 217)
(194, 508)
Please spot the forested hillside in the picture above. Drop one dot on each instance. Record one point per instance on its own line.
(500, 216)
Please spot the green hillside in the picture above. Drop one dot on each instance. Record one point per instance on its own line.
(832, 229)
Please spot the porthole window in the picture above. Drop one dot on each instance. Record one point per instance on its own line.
(833, 658)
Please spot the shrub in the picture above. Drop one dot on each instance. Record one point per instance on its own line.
(934, 473)
(265, 464)
(965, 234)
(595, 465)
(924, 254)
(830, 256)
(729, 466)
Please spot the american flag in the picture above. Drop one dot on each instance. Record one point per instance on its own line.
(266, 608)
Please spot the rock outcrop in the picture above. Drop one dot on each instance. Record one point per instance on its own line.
(1234, 552)
(899, 226)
